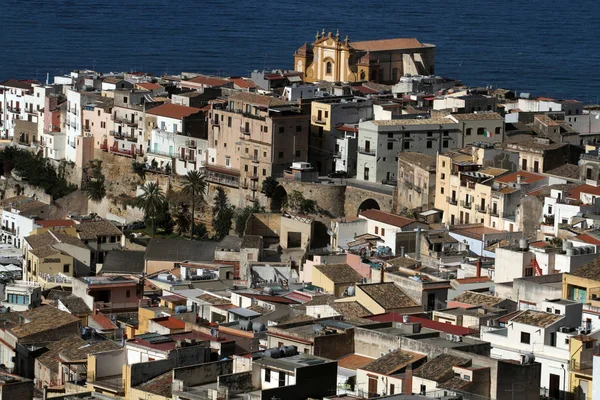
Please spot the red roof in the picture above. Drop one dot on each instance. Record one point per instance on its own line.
(209, 81)
(170, 322)
(387, 218)
(175, 111)
(50, 223)
(103, 321)
(526, 177)
(425, 323)
(474, 279)
(149, 86)
(365, 90)
(540, 244)
(298, 297)
(575, 193)
(243, 83)
(588, 239)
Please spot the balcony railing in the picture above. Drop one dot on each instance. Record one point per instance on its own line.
(409, 184)
(245, 114)
(494, 213)
(254, 177)
(417, 189)
(122, 136)
(450, 200)
(367, 151)
(126, 152)
(481, 209)
(161, 153)
(318, 120)
(192, 144)
(8, 230)
(124, 121)
(187, 157)
(13, 109)
(465, 204)
(244, 130)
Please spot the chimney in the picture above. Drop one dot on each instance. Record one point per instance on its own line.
(418, 244)
(402, 251)
(478, 267)
(407, 382)
(382, 272)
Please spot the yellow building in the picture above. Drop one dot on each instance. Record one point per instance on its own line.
(335, 278)
(380, 298)
(583, 285)
(384, 61)
(581, 351)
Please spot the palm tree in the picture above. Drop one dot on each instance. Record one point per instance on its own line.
(194, 185)
(150, 201)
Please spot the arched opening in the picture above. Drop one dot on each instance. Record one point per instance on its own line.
(278, 199)
(368, 204)
(328, 68)
(363, 76)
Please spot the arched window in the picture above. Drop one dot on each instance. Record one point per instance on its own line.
(362, 75)
(328, 67)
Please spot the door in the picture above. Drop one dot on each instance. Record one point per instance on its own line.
(554, 390)
(171, 151)
(367, 146)
(319, 115)
(372, 386)
(524, 164)
(584, 389)
(536, 166)
(156, 147)
(366, 177)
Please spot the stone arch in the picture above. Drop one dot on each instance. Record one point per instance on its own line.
(368, 204)
(278, 199)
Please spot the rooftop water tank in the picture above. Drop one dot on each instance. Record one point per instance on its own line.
(258, 327)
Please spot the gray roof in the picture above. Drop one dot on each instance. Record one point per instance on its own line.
(124, 262)
(244, 312)
(230, 243)
(251, 242)
(180, 250)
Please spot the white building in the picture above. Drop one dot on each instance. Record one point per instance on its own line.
(22, 295)
(563, 206)
(18, 221)
(387, 225)
(17, 103)
(543, 335)
(344, 230)
(178, 139)
(299, 92)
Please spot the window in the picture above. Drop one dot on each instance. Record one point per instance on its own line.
(392, 387)
(306, 350)
(525, 337)
(557, 312)
(281, 378)
(480, 131)
(264, 172)
(229, 122)
(246, 151)
(66, 268)
(127, 293)
(446, 133)
(390, 145)
(281, 129)
(423, 389)
(298, 152)
(549, 209)
(298, 128)
(589, 345)
(245, 168)
(429, 144)
(266, 129)
(377, 230)
(548, 309)
(588, 173)
(443, 176)
(382, 231)
(445, 144)
(267, 375)
(328, 68)
(406, 145)
(281, 154)
(442, 190)
(469, 131)
(443, 164)
(227, 161)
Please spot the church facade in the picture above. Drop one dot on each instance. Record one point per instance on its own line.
(383, 61)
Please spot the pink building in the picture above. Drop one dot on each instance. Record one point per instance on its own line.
(108, 293)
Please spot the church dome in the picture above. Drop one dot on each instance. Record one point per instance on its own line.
(304, 50)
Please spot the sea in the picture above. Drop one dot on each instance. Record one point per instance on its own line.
(547, 48)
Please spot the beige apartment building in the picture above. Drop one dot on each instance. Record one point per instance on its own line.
(97, 121)
(251, 137)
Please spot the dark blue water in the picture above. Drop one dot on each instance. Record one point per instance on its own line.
(546, 47)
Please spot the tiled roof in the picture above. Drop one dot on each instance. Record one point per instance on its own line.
(590, 270)
(257, 99)
(477, 299)
(171, 323)
(124, 262)
(587, 238)
(213, 299)
(81, 353)
(455, 383)
(175, 111)
(404, 262)
(52, 223)
(18, 83)
(320, 300)
(50, 358)
(566, 171)
(160, 385)
(180, 250)
(415, 121)
(339, 273)
(575, 193)
(149, 86)
(209, 80)
(388, 295)
(43, 319)
(480, 279)
(75, 305)
(537, 318)
(387, 44)
(354, 361)
(526, 177)
(243, 83)
(392, 362)
(350, 309)
(25, 207)
(420, 160)
(439, 369)
(480, 116)
(387, 218)
(103, 322)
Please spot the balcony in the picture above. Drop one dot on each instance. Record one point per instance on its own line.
(16, 110)
(187, 157)
(494, 213)
(451, 200)
(87, 128)
(245, 114)
(465, 204)
(254, 177)
(192, 144)
(129, 122)
(222, 178)
(417, 189)
(122, 136)
(108, 306)
(161, 153)
(318, 120)
(104, 146)
(8, 230)
(126, 152)
(366, 150)
(244, 130)
(31, 111)
(481, 209)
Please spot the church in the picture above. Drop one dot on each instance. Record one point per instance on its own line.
(383, 61)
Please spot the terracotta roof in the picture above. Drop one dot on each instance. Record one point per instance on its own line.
(537, 318)
(507, 317)
(75, 305)
(339, 273)
(243, 83)
(475, 279)
(455, 383)
(481, 116)
(588, 239)
(175, 111)
(477, 299)
(387, 44)
(354, 361)
(570, 171)
(350, 309)
(18, 83)
(52, 223)
(421, 160)
(393, 362)
(575, 193)
(103, 322)
(526, 177)
(257, 99)
(170, 322)
(50, 358)
(388, 295)
(208, 80)
(439, 369)
(149, 86)
(43, 319)
(387, 218)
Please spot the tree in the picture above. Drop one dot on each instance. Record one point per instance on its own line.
(242, 218)
(93, 181)
(151, 200)
(223, 215)
(269, 185)
(139, 169)
(182, 218)
(296, 202)
(194, 185)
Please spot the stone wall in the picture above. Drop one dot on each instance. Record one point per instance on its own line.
(329, 197)
(355, 196)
